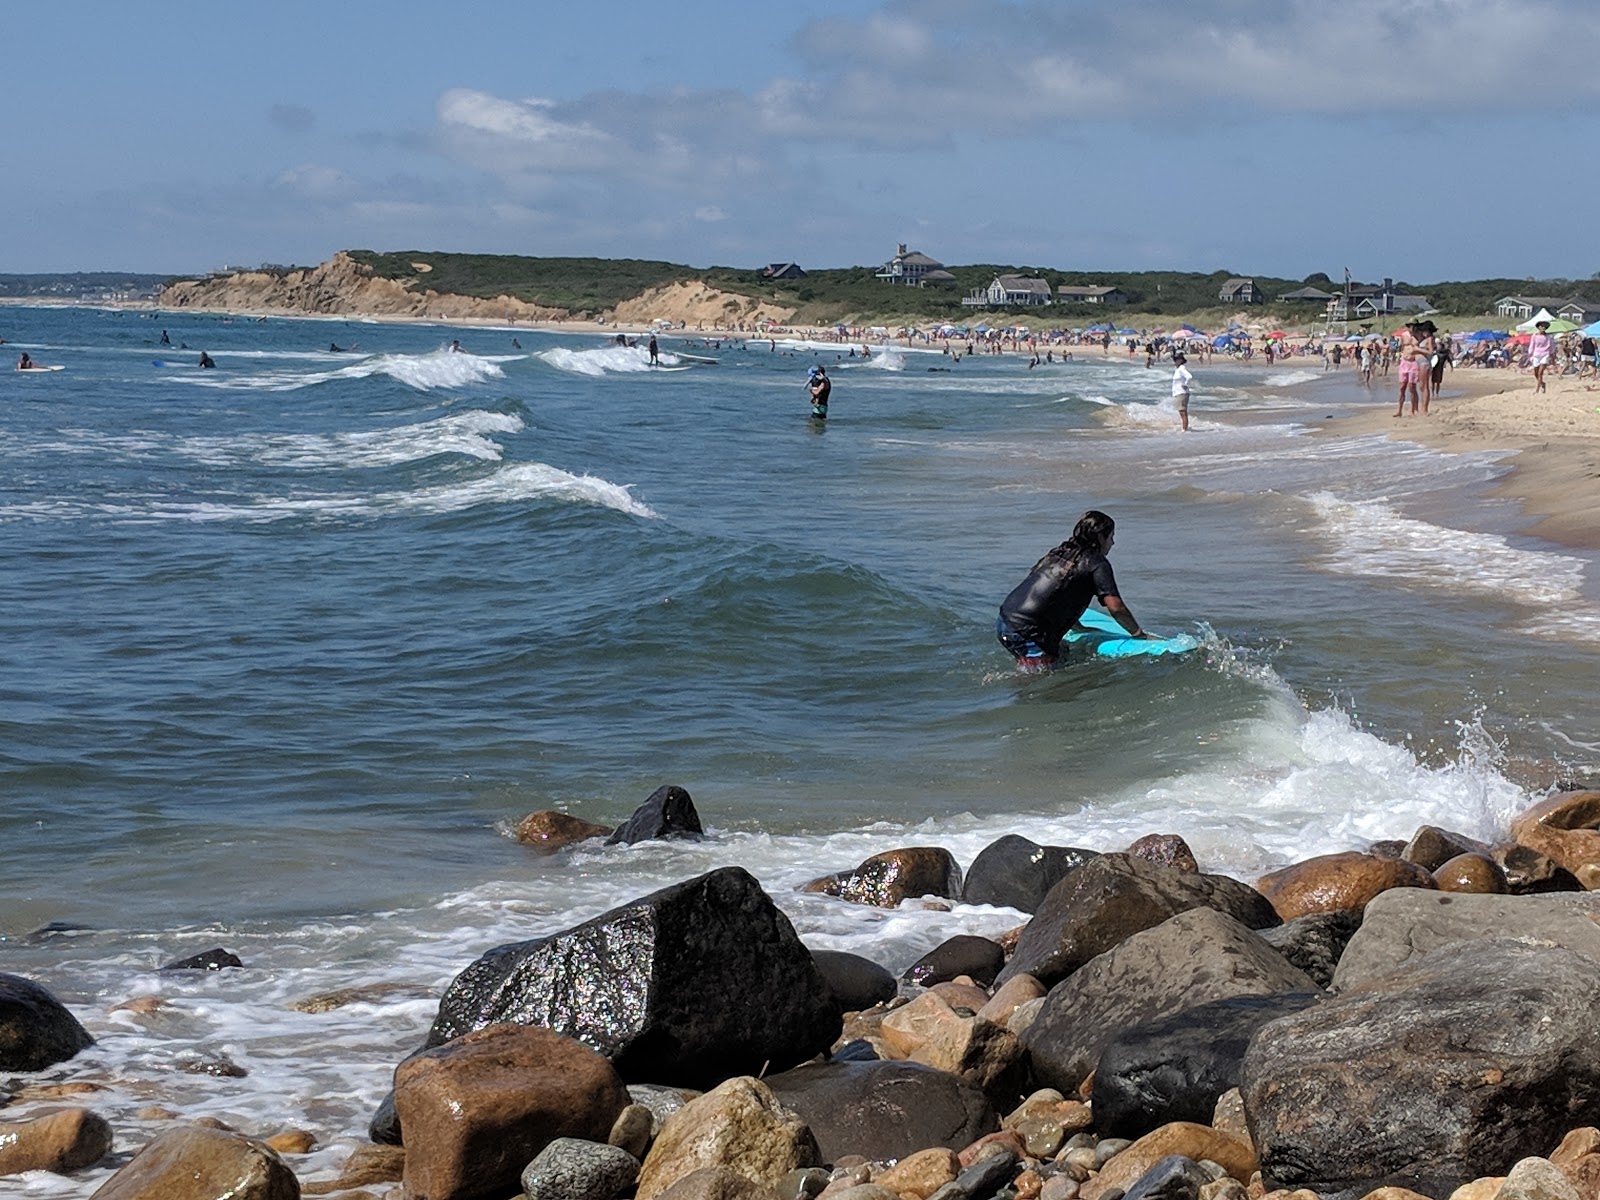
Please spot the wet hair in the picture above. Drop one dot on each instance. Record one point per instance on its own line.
(1089, 536)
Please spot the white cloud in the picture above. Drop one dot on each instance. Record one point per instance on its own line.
(710, 214)
(521, 135)
(316, 182)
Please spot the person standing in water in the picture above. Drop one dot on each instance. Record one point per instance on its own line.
(821, 387)
(1043, 607)
(1181, 380)
(655, 352)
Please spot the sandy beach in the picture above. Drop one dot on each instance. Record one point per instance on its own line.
(1554, 440)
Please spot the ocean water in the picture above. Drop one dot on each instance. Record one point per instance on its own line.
(288, 648)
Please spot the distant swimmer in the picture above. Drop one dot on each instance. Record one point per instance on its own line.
(25, 363)
(516, 345)
(455, 347)
(335, 348)
(1040, 610)
(165, 340)
(206, 360)
(821, 387)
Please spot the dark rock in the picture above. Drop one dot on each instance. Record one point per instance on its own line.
(1431, 847)
(667, 813)
(215, 959)
(859, 1050)
(1389, 848)
(985, 1178)
(1173, 1178)
(1530, 873)
(889, 879)
(385, 1125)
(884, 1110)
(1016, 873)
(1106, 900)
(857, 983)
(1193, 958)
(976, 957)
(36, 1030)
(1166, 850)
(574, 1169)
(1314, 943)
(1401, 925)
(696, 983)
(1454, 1067)
(1176, 1067)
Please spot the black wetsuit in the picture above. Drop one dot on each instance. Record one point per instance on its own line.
(821, 386)
(1039, 611)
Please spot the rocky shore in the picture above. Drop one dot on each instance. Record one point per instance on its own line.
(1409, 1019)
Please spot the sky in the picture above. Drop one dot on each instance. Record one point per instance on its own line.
(1421, 140)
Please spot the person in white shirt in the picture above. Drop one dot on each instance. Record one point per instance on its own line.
(1181, 379)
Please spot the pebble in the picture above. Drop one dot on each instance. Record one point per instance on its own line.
(1108, 1149)
(574, 1169)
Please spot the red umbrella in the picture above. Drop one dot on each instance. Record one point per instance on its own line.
(1277, 333)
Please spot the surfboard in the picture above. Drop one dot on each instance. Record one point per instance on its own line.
(40, 370)
(1110, 640)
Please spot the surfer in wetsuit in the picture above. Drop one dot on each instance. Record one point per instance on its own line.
(655, 352)
(205, 360)
(1044, 606)
(25, 363)
(821, 387)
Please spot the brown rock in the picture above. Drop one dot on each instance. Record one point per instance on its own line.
(1166, 850)
(1565, 828)
(718, 1183)
(632, 1129)
(1290, 1194)
(1476, 873)
(958, 994)
(366, 993)
(366, 1164)
(1059, 1187)
(986, 1055)
(1536, 1179)
(194, 1163)
(55, 1091)
(1226, 1188)
(888, 879)
(1228, 1116)
(1530, 872)
(738, 1124)
(1576, 1144)
(1486, 1188)
(157, 1112)
(477, 1109)
(1011, 994)
(921, 1174)
(292, 1141)
(1180, 1137)
(1583, 1173)
(63, 1141)
(548, 831)
(141, 1006)
(1394, 1193)
(983, 1147)
(904, 1030)
(1431, 847)
(1337, 883)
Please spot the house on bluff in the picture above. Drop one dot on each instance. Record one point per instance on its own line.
(1010, 291)
(912, 268)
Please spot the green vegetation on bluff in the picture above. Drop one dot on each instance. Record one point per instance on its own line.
(825, 295)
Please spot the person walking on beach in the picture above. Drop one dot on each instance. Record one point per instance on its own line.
(1441, 359)
(1541, 349)
(821, 387)
(1043, 607)
(1181, 381)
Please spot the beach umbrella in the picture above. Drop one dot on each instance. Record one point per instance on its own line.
(1489, 335)
(1222, 342)
(1591, 330)
(1277, 333)
(1561, 325)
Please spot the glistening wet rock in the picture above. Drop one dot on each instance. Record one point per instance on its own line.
(668, 812)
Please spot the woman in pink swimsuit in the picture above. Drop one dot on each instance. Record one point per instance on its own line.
(1416, 349)
(1541, 349)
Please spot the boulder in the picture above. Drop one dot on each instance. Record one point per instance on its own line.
(1535, 1178)
(1528, 872)
(477, 1110)
(889, 879)
(195, 1163)
(856, 983)
(698, 982)
(215, 959)
(1465, 1060)
(719, 1183)
(978, 958)
(1342, 882)
(1106, 900)
(63, 1141)
(573, 1169)
(1195, 957)
(1314, 942)
(1176, 1068)
(548, 831)
(668, 812)
(1016, 873)
(1401, 925)
(366, 1165)
(36, 1030)
(1431, 847)
(1471, 873)
(1566, 829)
(739, 1124)
(884, 1110)
(1192, 1141)
(1166, 850)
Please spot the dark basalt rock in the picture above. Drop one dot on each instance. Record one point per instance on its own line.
(976, 957)
(1455, 1066)
(667, 813)
(889, 879)
(690, 985)
(1315, 942)
(1530, 873)
(1175, 1068)
(36, 1030)
(385, 1126)
(1016, 873)
(884, 1110)
(857, 983)
(216, 959)
(1107, 900)
(1172, 1178)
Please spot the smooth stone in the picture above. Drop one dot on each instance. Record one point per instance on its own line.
(36, 1030)
(979, 958)
(574, 1169)
(1476, 874)
(921, 1174)
(1183, 1139)
(215, 959)
(1565, 827)
(1166, 850)
(889, 879)
(717, 1183)
(1014, 872)
(632, 1130)
(1431, 847)
(1172, 1178)
(857, 983)
(63, 1141)
(196, 1163)
(1346, 882)
(739, 1124)
(548, 831)
(668, 812)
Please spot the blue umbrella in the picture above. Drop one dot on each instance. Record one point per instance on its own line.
(1591, 330)
(1488, 335)
(1222, 342)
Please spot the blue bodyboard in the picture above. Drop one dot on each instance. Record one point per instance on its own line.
(1109, 640)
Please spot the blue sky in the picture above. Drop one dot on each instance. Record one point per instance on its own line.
(1419, 139)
